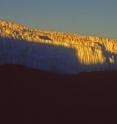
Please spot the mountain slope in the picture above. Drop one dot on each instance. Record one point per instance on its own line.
(32, 96)
(56, 51)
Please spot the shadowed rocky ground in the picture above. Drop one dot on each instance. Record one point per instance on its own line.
(29, 96)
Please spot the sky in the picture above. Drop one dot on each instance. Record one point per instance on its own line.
(87, 17)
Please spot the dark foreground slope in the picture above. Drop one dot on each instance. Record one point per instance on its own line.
(30, 96)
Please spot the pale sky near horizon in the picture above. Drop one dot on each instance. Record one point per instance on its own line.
(90, 17)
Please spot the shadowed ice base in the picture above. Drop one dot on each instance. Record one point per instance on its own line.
(46, 57)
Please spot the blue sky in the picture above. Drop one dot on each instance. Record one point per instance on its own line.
(91, 17)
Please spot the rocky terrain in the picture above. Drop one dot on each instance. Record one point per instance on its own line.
(31, 96)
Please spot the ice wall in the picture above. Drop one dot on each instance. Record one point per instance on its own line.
(47, 57)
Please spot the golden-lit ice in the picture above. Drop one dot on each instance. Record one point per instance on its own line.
(88, 49)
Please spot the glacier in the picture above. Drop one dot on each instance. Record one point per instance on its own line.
(46, 57)
(58, 52)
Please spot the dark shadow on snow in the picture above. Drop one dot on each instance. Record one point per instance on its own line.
(48, 57)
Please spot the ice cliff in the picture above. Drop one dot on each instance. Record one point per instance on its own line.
(55, 51)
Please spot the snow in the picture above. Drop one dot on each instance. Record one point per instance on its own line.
(47, 57)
